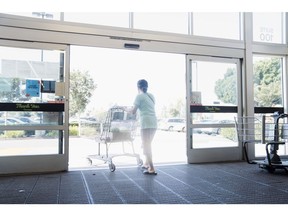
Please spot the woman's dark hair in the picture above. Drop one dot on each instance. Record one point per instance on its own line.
(143, 85)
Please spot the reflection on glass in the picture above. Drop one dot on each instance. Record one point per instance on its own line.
(268, 27)
(220, 25)
(164, 22)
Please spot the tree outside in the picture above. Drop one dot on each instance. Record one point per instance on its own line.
(225, 88)
(267, 84)
(175, 109)
(10, 89)
(81, 89)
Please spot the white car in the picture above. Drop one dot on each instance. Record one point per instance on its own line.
(172, 124)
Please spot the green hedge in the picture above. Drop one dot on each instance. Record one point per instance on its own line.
(13, 134)
(229, 133)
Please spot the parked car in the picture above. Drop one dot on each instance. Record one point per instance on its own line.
(16, 121)
(83, 121)
(212, 130)
(2, 122)
(172, 124)
(28, 120)
(13, 121)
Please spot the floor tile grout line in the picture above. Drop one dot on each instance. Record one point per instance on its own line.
(59, 189)
(31, 190)
(137, 185)
(172, 191)
(209, 181)
(115, 189)
(191, 187)
(87, 190)
(260, 183)
(221, 188)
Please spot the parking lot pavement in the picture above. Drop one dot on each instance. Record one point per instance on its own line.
(168, 147)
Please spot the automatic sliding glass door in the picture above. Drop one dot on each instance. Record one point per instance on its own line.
(213, 92)
(33, 122)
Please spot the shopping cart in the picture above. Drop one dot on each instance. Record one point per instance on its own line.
(119, 127)
(271, 131)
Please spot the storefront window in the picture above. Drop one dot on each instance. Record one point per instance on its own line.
(220, 25)
(267, 76)
(108, 19)
(41, 15)
(164, 22)
(268, 27)
(267, 81)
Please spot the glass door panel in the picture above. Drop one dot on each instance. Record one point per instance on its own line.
(214, 88)
(32, 108)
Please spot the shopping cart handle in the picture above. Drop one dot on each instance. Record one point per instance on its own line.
(275, 143)
(283, 115)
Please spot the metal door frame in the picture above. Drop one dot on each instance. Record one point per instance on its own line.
(41, 163)
(212, 154)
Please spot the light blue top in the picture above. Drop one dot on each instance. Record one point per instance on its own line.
(145, 102)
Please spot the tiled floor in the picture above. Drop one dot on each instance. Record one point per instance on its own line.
(222, 183)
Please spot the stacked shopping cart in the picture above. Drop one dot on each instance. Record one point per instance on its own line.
(271, 131)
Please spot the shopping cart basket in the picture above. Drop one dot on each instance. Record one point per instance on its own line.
(271, 131)
(119, 127)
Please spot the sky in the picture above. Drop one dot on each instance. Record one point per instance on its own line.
(116, 73)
